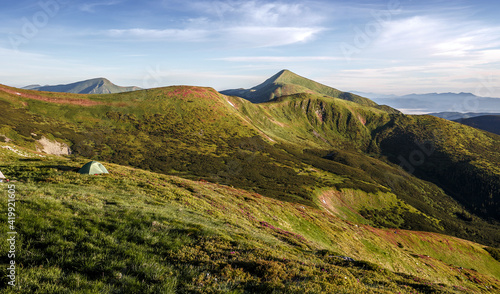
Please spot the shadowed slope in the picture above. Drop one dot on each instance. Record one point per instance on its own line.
(489, 123)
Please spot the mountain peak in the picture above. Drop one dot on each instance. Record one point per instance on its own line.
(286, 82)
(286, 75)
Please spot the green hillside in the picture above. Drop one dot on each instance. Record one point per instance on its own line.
(310, 169)
(286, 83)
(286, 149)
(134, 231)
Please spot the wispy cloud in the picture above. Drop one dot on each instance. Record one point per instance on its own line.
(259, 13)
(278, 58)
(428, 52)
(91, 7)
(237, 36)
(237, 23)
(269, 36)
(431, 37)
(186, 35)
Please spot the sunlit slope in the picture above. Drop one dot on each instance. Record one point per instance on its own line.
(297, 148)
(138, 231)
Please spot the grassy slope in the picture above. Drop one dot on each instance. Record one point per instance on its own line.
(461, 160)
(333, 125)
(197, 133)
(137, 231)
(315, 121)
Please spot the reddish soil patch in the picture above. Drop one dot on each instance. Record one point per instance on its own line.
(82, 102)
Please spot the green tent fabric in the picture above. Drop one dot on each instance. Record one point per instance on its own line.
(93, 168)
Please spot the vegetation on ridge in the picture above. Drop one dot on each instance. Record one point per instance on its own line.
(298, 165)
(137, 231)
(286, 149)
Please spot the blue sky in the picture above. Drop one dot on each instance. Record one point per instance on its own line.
(390, 46)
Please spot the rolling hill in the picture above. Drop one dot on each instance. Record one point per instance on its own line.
(92, 86)
(283, 196)
(286, 83)
(489, 123)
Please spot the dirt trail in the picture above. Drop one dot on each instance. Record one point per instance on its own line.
(82, 102)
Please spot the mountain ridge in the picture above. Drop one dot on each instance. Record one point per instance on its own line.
(460, 115)
(197, 125)
(90, 86)
(205, 180)
(441, 102)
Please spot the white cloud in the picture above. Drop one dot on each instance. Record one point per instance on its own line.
(278, 58)
(269, 36)
(434, 38)
(432, 77)
(235, 23)
(90, 7)
(187, 35)
(236, 36)
(428, 53)
(259, 13)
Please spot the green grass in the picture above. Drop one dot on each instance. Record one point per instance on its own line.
(286, 149)
(134, 231)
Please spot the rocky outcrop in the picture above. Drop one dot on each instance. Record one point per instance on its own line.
(52, 147)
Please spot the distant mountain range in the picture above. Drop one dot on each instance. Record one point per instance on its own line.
(286, 83)
(92, 86)
(371, 95)
(460, 115)
(440, 102)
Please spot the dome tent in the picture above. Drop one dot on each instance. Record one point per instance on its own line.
(2, 177)
(93, 168)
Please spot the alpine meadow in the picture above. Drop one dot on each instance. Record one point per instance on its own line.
(250, 147)
(288, 187)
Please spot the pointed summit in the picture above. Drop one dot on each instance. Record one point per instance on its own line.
(286, 83)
